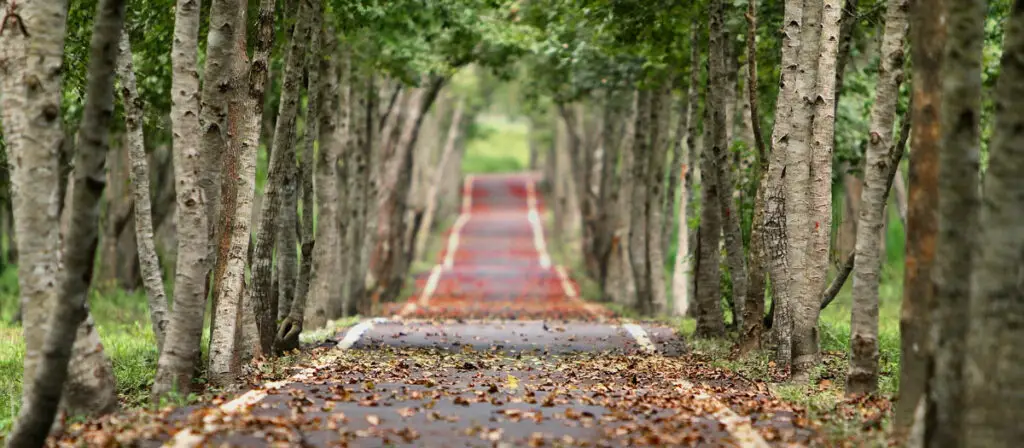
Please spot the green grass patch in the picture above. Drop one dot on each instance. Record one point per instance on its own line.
(497, 144)
(123, 322)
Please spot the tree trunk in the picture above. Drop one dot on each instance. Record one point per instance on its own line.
(863, 375)
(282, 165)
(313, 112)
(70, 310)
(227, 21)
(957, 212)
(676, 171)
(708, 290)
(181, 346)
(363, 186)
(798, 180)
(237, 193)
(388, 266)
(927, 40)
(442, 168)
(992, 376)
(218, 124)
(776, 239)
(752, 329)
(805, 319)
(719, 147)
(152, 273)
(619, 282)
(658, 150)
(638, 204)
(325, 289)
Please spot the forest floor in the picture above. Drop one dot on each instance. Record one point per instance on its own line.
(494, 348)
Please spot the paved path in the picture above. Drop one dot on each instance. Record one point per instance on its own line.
(495, 348)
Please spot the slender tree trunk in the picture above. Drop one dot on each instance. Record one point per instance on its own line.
(219, 126)
(400, 236)
(638, 204)
(958, 209)
(620, 283)
(708, 290)
(152, 273)
(776, 238)
(608, 194)
(719, 147)
(442, 168)
(676, 171)
(247, 104)
(275, 193)
(658, 150)
(227, 20)
(364, 189)
(181, 346)
(389, 268)
(819, 226)
(752, 330)
(681, 269)
(992, 377)
(334, 137)
(927, 41)
(313, 112)
(798, 181)
(43, 138)
(863, 375)
(287, 252)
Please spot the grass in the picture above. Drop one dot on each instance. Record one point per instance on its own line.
(122, 319)
(497, 145)
(123, 322)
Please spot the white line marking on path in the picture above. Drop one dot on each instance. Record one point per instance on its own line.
(357, 331)
(572, 294)
(453, 237)
(640, 335)
(738, 427)
(534, 217)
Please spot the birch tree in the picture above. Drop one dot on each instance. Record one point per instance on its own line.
(775, 237)
(325, 289)
(181, 345)
(719, 147)
(863, 375)
(70, 310)
(282, 161)
(149, 261)
(248, 103)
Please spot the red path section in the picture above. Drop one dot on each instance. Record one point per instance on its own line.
(495, 263)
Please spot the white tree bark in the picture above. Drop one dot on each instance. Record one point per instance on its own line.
(152, 275)
(70, 309)
(181, 346)
(863, 374)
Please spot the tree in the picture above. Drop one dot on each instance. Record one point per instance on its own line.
(152, 276)
(70, 311)
(181, 344)
(992, 378)
(863, 375)
(282, 162)
(927, 40)
(958, 161)
(248, 106)
(729, 213)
